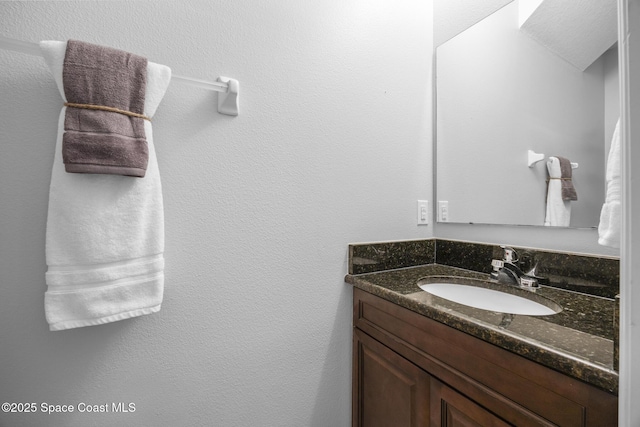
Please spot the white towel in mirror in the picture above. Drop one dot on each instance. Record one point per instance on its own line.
(558, 212)
(609, 227)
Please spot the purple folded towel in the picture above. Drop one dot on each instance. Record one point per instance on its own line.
(568, 190)
(103, 141)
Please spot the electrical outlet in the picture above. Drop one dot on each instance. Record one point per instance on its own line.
(423, 212)
(443, 211)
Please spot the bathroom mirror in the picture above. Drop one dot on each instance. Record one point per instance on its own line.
(534, 75)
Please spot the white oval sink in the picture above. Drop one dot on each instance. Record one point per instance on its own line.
(490, 299)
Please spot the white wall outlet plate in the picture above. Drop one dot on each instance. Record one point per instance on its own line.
(443, 211)
(423, 212)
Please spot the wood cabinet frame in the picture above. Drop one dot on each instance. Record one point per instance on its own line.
(517, 390)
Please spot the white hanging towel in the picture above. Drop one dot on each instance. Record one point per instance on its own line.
(609, 227)
(558, 212)
(105, 233)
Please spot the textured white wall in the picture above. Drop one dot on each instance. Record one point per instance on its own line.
(455, 16)
(333, 145)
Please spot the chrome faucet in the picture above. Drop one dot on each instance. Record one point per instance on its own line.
(508, 272)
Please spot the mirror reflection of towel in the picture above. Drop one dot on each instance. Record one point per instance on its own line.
(558, 213)
(566, 183)
(609, 227)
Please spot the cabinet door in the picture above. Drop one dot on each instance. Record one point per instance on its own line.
(451, 409)
(389, 391)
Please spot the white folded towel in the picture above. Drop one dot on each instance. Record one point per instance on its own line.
(558, 212)
(609, 227)
(105, 233)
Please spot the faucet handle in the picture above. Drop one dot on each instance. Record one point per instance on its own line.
(510, 254)
(529, 282)
(497, 264)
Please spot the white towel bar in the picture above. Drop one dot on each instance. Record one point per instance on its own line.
(228, 88)
(533, 158)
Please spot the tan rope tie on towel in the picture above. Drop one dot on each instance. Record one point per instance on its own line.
(103, 108)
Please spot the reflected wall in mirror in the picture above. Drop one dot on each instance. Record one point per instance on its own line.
(503, 88)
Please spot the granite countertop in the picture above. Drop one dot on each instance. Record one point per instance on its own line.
(579, 341)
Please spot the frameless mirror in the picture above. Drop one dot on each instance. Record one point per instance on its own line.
(534, 75)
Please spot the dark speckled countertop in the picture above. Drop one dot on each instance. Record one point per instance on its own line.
(579, 341)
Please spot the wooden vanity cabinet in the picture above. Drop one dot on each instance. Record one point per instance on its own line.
(409, 370)
(393, 391)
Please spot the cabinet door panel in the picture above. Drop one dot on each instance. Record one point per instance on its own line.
(451, 409)
(392, 392)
